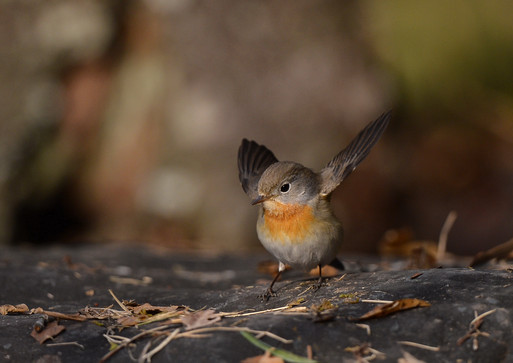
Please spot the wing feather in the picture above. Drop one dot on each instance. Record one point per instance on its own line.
(348, 159)
(253, 159)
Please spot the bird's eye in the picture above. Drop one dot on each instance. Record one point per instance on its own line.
(285, 187)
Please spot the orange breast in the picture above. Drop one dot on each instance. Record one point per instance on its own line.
(288, 222)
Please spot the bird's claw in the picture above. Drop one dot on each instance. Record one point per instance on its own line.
(318, 284)
(266, 295)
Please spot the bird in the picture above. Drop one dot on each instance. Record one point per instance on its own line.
(295, 222)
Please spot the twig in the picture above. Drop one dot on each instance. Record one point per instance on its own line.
(128, 341)
(483, 315)
(116, 339)
(237, 329)
(119, 302)
(376, 301)
(196, 333)
(474, 331)
(444, 233)
(143, 352)
(498, 252)
(311, 287)
(55, 314)
(340, 278)
(151, 353)
(236, 315)
(419, 345)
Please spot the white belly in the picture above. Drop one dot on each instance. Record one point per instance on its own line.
(317, 246)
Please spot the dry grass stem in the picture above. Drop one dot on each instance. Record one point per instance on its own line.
(376, 301)
(311, 287)
(444, 233)
(419, 345)
(340, 278)
(119, 302)
(482, 316)
(147, 356)
(124, 343)
(239, 329)
(473, 331)
(236, 315)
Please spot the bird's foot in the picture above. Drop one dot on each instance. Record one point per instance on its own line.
(318, 284)
(266, 295)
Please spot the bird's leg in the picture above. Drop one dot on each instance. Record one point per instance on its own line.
(318, 285)
(269, 291)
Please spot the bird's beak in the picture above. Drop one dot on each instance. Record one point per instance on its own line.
(259, 199)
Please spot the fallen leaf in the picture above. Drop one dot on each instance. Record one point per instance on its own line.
(264, 358)
(400, 242)
(100, 313)
(13, 309)
(129, 320)
(393, 307)
(52, 330)
(150, 309)
(199, 319)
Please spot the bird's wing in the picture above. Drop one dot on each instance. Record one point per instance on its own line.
(253, 159)
(348, 159)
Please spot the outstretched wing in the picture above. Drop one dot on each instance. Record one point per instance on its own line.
(253, 159)
(348, 159)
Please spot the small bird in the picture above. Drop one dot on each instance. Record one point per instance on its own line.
(295, 220)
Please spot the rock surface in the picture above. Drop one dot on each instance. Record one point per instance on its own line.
(62, 279)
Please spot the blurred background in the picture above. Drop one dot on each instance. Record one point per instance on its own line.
(120, 120)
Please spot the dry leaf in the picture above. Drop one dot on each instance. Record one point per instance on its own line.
(150, 309)
(264, 358)
(400, 242)
(129, 320)
(13, 309)
(393, 307)
(146, 313)
(200, 319)
(52, 329)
